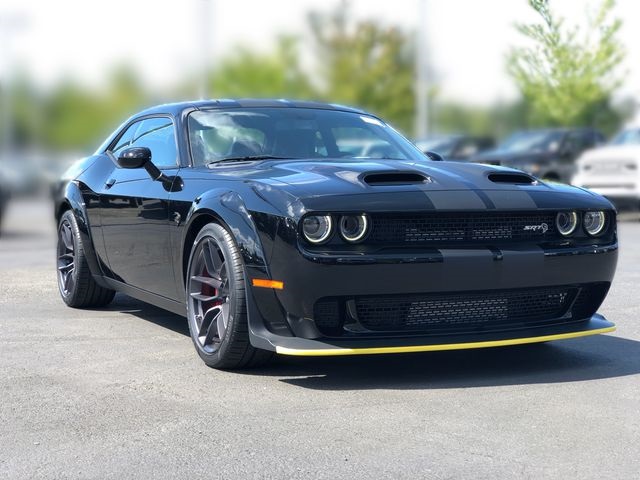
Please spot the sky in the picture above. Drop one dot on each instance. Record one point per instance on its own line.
(81, 39)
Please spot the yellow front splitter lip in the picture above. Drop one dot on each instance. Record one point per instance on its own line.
(328, 352)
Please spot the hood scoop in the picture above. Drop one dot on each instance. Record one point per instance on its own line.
(395, 178)
(508, 177)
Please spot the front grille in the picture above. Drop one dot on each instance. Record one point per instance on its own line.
(462, 228)
(422, 311)
(461, 311)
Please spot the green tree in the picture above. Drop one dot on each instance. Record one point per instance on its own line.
(364, 64)
(248, 73)
(567, 73)
(77, 118)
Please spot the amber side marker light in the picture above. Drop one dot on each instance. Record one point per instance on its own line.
(260, 282)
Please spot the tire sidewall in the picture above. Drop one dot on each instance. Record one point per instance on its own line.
(225, 241)
(68, 216)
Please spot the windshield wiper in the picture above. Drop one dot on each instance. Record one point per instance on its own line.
(248, 158)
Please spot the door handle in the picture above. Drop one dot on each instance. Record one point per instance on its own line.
(110, 183)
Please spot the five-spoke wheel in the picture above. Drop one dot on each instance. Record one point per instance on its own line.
(77, 286)
(66, 257)
(216, 301)
(209, 294)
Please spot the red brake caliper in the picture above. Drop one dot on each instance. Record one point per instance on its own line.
(209, 291)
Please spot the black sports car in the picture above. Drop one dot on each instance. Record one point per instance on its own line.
(310, 229)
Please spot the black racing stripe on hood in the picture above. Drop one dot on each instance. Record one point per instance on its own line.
(511, 199)
(429, 203)
(485, 198)
(489, 205)
(457, 200)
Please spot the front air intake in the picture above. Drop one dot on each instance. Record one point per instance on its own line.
(521, 178)
(395, 178)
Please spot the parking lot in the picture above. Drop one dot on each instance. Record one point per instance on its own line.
(120, 393)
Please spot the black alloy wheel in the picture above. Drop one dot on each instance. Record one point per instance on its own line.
(66, 258)
(216, 302)
(76, 284)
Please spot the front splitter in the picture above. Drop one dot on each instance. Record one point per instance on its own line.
(596, 325)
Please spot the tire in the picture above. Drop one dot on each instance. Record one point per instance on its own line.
(216, 302)
(77, 287)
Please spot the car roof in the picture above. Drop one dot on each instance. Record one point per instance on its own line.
(179, 107)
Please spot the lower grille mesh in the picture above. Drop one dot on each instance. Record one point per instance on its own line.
(419, 311)
(461, 312)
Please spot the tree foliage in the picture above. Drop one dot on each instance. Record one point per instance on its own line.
(252, 73)
(567, 74)
(365, 64)
(78, 118)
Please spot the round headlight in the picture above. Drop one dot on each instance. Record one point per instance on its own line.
(317, 228)
(566, 222)
(353, 228)
(594, 222)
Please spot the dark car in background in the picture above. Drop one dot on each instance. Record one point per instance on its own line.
(311, 229)
(4, 197)
(549, 154)
(456, 147)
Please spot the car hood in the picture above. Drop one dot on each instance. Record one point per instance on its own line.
(318, 178)
(406, 185)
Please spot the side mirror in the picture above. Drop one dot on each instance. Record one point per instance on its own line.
(436, 157)
(140, 157)
(134, 157)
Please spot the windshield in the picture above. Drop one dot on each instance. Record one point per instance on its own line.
(219, 135)
(627, 137)
(540, 141)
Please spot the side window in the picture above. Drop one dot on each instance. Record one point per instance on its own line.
(125, 140)
(158, 135)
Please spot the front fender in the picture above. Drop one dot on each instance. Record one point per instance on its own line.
(72, 199)
(253, 232)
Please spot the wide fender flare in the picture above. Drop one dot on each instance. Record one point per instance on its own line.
(230, 210)
(72, 199)
(251, 231)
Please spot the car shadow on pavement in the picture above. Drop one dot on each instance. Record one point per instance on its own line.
(163, 318)
(583, 359)
(577, 360)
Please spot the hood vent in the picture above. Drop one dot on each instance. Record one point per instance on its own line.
(521, 178)
(395, 178)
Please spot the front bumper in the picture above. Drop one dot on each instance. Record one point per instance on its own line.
(286, 321)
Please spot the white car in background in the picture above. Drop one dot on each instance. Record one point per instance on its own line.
(613, 170)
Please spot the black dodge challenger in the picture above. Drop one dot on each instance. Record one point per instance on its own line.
(312, 229)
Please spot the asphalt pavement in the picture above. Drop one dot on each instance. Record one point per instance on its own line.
(120, 393)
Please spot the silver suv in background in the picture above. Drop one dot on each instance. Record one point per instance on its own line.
(614, 169)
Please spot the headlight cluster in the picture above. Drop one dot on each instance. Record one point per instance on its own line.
(593, 222)
(318, 229)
